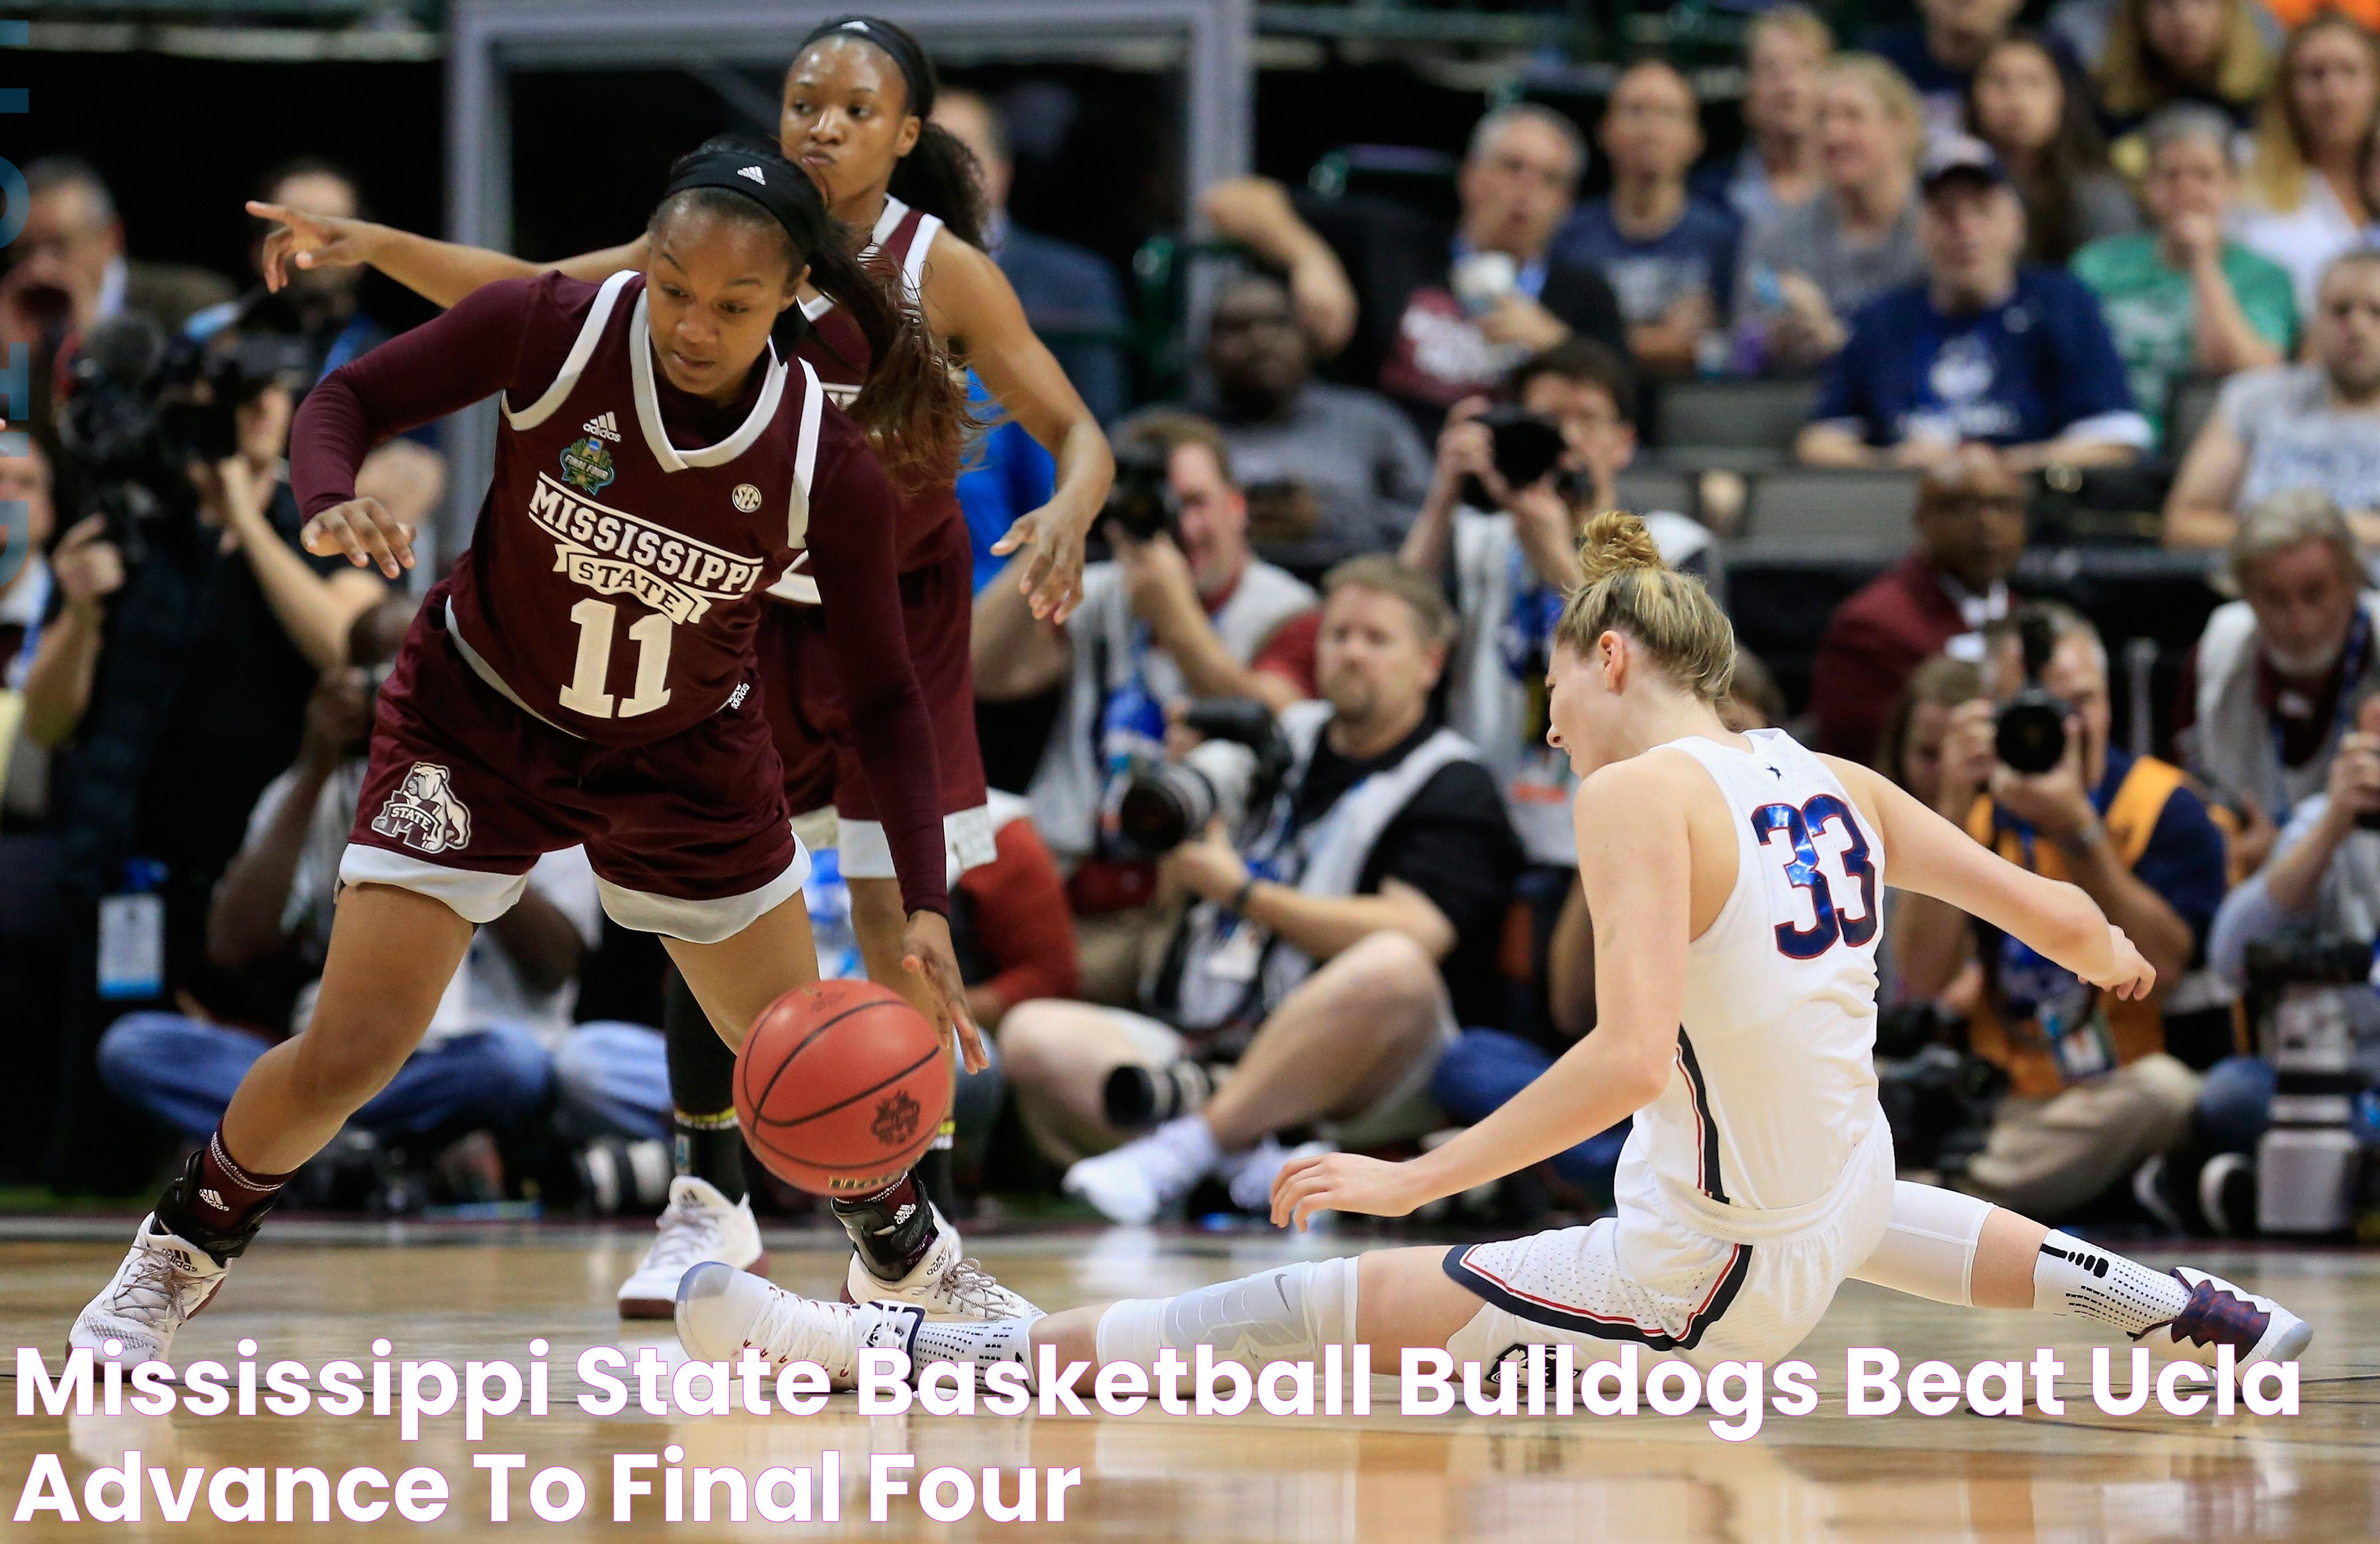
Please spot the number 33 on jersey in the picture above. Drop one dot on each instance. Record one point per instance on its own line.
(1825, 856)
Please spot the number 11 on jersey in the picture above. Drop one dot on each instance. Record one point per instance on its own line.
(651, 635)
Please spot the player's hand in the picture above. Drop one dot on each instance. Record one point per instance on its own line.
(2128, 977)
(926, 953)
(1341, 1182)
(310, 241)
(1052, 579)
(365, 532)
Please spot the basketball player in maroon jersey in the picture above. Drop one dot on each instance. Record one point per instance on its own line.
(855, 105)
(584, 673)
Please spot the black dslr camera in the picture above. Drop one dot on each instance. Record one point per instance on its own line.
(141, 409)
(1163, 804)
(2029, 730)
(1525, 446)
(1141, 502)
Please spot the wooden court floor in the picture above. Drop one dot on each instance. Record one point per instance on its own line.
(319, 1292)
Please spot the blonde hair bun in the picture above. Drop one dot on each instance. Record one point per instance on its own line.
(1615, 542)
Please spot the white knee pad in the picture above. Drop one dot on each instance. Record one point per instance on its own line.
(1286, 1314)
(1929, 1249)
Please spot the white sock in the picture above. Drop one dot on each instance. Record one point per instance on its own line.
(2075, 1280)
(1191, 1137)
(1009, 1340)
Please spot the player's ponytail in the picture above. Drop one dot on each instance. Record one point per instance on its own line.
(913, 404)
(1629, 589)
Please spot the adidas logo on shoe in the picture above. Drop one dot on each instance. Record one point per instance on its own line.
(604, 427)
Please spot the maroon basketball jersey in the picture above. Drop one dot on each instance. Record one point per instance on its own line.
(839, 352)
(614, 580)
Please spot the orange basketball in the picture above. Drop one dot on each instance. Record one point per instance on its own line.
(841, 1086)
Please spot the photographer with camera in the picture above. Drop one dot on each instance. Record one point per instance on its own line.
(173, 683)
(1339, 927)
(1184, 610)
(2284, 933)
(1514, 486)
(2093, 1090)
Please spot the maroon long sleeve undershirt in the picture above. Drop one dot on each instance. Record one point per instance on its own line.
(514, 336)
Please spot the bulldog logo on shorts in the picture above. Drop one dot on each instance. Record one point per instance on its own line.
(423, 813)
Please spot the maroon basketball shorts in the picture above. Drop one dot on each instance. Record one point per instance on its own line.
(688, 836)
(824, 786)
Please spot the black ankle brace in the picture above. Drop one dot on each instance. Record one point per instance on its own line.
(892, 1229)
(177, 1214)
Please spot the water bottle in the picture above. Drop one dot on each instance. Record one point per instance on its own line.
(829, 900)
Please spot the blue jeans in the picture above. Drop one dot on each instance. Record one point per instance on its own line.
(2235, 1103)
(611, 1078)
(183, 1071)
(1487, 1068)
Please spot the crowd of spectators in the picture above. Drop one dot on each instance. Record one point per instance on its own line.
(2139, 243)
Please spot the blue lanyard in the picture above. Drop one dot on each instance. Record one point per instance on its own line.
(22, 665)
(1530, 622)
(2359, 644)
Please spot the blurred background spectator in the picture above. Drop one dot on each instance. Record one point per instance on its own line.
(1329, 471)
(1070, 293)
(2307, 197)
(1785, 49)
(2159, 52)
(2275, 678)
(1670, 256)
(2030, 106)
(2183, 299)
(2311, 426)
(1938, 600)
(1941, 55)
(1444, 314)
(1809, 267)
(1986, 348)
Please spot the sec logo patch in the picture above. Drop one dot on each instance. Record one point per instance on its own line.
(746, 497)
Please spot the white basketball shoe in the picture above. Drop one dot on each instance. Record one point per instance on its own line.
(721, 1312)
(698, 1224)
(163, 1281)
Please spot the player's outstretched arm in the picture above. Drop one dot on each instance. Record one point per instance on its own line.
(1932, 857)
(1636, 866)
(439, 271)
(971, 303)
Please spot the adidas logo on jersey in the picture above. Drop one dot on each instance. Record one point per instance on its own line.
(604, 427)
(755, 174)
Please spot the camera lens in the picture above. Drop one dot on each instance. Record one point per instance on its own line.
(2030, 734)
(1160, 806)
(1142, 1098)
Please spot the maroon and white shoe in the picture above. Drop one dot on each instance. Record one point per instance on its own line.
(2218, 1314)
(162, 1284)
(945, 1284)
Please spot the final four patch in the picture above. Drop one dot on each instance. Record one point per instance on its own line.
(587, 465)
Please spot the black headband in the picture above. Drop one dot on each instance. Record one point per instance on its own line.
(791, 198)
(914, 68)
